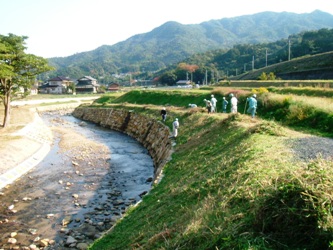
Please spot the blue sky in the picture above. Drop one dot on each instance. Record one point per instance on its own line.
(58, 28)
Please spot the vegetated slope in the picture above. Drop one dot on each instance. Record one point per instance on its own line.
(232, 183)
(173, 42)
(309, 67)
(306, 111)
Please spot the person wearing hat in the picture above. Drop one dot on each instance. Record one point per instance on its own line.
(175, 126)
(252, 105)
(234, 102)
(224, 105)
(213, 101)
(164, 114)
(191, 105)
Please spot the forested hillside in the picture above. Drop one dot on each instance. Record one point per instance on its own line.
(174, 42)
(248, 61)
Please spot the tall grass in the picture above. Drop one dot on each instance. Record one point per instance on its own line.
(306, 91)
(299, 111)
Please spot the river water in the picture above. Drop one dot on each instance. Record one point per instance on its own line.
(77, 192)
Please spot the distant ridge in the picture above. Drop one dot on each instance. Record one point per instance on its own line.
(173, 42)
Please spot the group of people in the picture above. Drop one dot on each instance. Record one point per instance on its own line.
(252, 101)
(211, 108)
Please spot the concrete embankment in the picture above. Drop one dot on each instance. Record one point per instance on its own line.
(152, 134)
(27, 147)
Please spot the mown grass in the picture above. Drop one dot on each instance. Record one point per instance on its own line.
(232, 183)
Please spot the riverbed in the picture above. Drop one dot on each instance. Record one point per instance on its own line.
(84, 185)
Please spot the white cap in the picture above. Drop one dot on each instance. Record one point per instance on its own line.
(254, 95)
(212, 95)
(176, 119)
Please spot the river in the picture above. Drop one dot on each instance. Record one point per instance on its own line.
(82, 187)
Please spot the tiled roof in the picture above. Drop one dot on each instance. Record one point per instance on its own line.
(59, 78)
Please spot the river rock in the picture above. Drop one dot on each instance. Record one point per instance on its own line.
(13, 234)
(82, 246)
(44, 243)
(75, 163)
(70, 240)
(66, 220)
(118, 202)
(12, 240)
(33, 247)
(32, 231)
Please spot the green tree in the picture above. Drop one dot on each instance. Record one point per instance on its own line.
(270, 76)
(263, 76)
(18, 70)
(168, 78)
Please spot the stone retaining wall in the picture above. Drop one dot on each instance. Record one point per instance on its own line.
(152, 134)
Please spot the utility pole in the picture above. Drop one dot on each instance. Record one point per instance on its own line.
(267, 57)
(288, 49)
(252, 63)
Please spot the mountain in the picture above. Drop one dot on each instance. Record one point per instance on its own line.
(172, 42)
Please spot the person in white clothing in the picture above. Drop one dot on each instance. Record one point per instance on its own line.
(175, 126)
(213, 101)
(191, 105)
(234, 102)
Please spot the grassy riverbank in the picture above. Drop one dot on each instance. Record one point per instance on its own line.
(233, 183)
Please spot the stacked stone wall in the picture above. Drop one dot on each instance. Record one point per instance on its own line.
(152, 134)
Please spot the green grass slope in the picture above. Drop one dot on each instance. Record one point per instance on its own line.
(232, 183)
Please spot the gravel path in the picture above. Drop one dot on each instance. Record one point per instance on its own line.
(309, 148)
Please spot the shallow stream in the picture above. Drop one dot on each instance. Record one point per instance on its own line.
(78, 192)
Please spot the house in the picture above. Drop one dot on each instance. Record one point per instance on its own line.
(56, 85)
(183, 82)
(34, 90)
(113, 87)
(86, 84)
